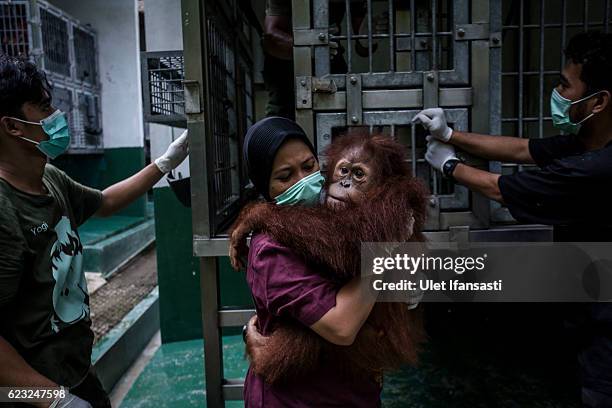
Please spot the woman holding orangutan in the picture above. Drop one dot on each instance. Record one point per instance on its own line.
(281, 159)
(325, 343)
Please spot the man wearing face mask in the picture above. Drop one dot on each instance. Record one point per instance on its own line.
(45, 334)
(571, 189)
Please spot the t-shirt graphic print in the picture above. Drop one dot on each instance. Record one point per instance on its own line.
(70, 297)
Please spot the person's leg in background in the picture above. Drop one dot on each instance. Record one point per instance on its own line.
(279, 82)
(595, 358)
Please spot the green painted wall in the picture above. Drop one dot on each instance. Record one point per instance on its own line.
(178, 273)
(102, 170)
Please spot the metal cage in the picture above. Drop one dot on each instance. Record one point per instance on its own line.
(54, 30)
(15, 32)
(162, 87)
(219, 107)
(85, 56)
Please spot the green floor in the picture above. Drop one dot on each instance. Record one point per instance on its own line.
(174, 377)
(450, 376)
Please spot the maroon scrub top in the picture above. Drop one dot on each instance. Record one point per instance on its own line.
(284, 286)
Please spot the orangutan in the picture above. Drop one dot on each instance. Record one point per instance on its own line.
(371, 196)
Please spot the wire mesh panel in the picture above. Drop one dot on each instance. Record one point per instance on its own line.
(14, 30)
(85, 56)
(246, 104)
(163, 93)
(534, 36)
(225, 66)
(395, 39)
(223, 119)
(55, 42)
(87, 121)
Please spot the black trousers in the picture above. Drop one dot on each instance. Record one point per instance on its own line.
(595, 355)
(92, 391)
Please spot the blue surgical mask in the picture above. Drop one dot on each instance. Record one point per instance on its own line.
(304, 192)
(560, 107)
(56, 127)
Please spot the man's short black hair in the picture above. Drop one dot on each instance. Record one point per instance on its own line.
(21, 81)
(593, 50)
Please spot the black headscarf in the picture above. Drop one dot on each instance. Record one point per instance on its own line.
(261, 144)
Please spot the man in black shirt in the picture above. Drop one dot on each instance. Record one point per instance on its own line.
(571, 188)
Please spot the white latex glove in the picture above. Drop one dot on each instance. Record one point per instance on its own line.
(438, 153)
(70, 401)
(176, 153)
(434, 121)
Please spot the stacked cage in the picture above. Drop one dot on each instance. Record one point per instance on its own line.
(67, 51)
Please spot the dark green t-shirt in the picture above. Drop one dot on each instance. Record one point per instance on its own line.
(44, 303)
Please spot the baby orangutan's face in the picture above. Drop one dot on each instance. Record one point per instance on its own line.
(353, 176)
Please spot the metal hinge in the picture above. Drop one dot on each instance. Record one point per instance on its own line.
(354, 100)
(303, 92)
(477, 31)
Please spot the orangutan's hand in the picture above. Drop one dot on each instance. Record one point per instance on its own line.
(250, 219)
(238, 249)
(255, 342)
(411, 224)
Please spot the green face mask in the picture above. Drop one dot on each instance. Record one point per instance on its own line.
(56, 127)
(304, 192)
(560, 107)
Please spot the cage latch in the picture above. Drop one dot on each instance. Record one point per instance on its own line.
(324, 85)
